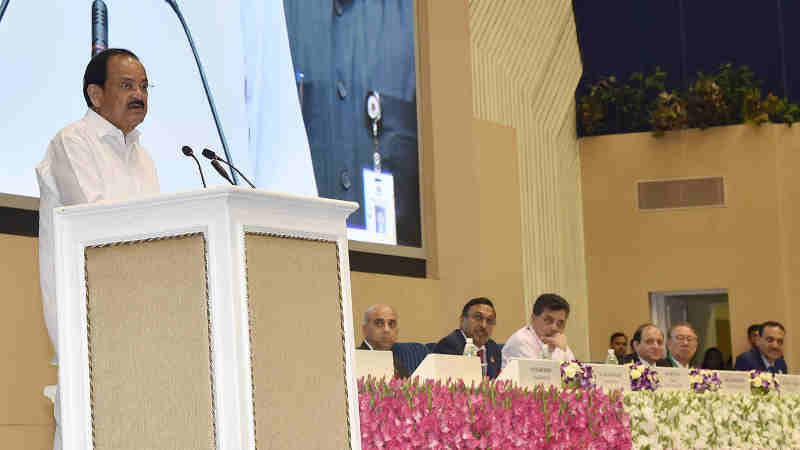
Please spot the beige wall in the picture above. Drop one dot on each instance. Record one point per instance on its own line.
(748, 247)
(26, 416)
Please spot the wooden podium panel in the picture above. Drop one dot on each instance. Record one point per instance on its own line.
(155, 291)
(297, 343)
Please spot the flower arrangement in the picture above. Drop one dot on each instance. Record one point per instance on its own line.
(704, 380)
(410, 414)
(762, 382)
(575, 375)
(713, 420)
(643, 377)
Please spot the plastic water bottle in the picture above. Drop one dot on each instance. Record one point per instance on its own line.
(611, 358)
(470, 349)
(546, 353)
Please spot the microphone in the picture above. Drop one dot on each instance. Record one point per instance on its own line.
(213, 157)
(221, 170)
(99, 27)
(188, 152)
(3, 7)
(174, 5)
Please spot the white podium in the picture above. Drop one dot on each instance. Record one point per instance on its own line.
(213, 319)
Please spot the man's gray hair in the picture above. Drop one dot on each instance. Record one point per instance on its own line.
(369, 311)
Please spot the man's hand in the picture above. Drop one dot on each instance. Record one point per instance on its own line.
(558, 340)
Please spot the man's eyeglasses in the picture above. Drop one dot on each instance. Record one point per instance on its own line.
(127, 86)
(478, 317)
(686, 339)
(380, 323)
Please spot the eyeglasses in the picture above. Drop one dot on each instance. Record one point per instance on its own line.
(478, 317)
(686, 339)
(380, 323)
(128, 86)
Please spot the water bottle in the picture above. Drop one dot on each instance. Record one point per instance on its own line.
(470, 349)
(611, 358)
(546, 353)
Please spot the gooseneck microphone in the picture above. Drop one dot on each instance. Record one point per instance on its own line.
(209, 97)
(99, 27)
(213, 157)
(189, 152)
(221, 170)
(3, 7)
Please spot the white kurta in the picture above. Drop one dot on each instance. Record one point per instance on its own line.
(525, 343)
(88, 161)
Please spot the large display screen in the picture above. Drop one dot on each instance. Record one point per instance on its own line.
(294, 122)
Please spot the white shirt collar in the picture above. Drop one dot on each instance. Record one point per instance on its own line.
(676, 362)
(106, 128)
(641, 360)
(766, 361)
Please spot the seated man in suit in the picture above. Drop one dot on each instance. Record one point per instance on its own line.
(618, 343)
(752, 334)
(544, 338)
(477, 321)
(682, 345)
(648, 346)
(380, 333)
(768, 354)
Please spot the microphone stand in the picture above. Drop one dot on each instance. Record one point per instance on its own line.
(3, 9)
(174, 5)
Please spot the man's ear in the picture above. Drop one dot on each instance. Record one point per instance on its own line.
(95, 95)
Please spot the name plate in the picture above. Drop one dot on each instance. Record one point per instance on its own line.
(379, 364)
(673, 379)
(453, 367)
(733, 381)
(611, 377)
(532, 372)
(789, 384)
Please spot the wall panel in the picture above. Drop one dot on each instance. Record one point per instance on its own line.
(526, 65)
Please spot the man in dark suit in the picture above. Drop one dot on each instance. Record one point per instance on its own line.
(768, 354)
(346, 50)
(618, 343)
(648, 347)
(752, 334)
(380, 333)
(477, 321)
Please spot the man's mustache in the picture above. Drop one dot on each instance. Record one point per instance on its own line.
(136, 104)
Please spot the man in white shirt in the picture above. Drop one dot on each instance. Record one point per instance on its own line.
(96, 158)
(544, 338)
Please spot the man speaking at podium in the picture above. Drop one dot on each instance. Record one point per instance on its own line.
(96, 158)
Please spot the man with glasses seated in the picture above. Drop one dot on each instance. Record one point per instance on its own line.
(682, 345)
(477, 321)
(380, 333)
(544, 338)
